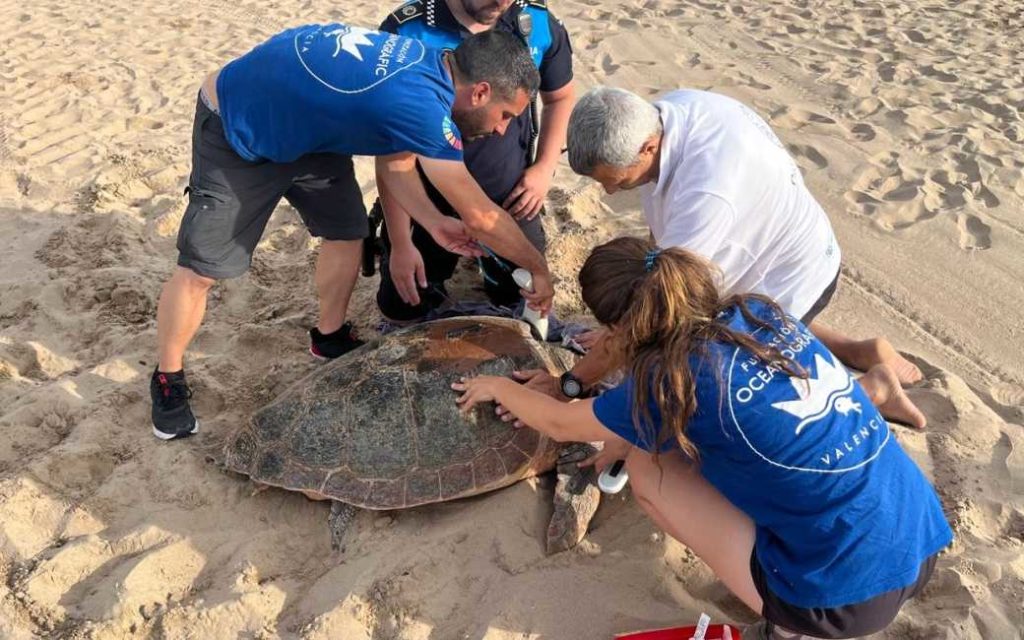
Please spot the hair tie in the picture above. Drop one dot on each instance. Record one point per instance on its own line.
(649, 259)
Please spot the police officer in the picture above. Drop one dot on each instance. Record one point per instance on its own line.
(514, 169)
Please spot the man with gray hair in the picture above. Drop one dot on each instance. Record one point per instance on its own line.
(717, 181)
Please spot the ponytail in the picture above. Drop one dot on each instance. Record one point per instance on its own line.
(664, 306)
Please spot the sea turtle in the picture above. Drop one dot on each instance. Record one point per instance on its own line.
(379, 429)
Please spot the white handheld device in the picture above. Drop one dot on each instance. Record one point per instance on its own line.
(702, 627)
(524, 279)
(613, 478)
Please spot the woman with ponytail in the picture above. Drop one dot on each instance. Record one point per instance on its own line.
(746, 440)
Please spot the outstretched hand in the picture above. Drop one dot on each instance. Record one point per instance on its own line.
(527, 198)
(475, 390)
(543, 294)
(536, 380)
(614, 449)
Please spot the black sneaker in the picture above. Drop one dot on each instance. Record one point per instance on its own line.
(332, 345)
(172, 414)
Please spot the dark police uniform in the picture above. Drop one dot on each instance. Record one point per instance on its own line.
(496, 162)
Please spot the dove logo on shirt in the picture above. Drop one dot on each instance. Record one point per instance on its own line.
(817, 396)
(349, 39)
(353, 59)
(824, 423)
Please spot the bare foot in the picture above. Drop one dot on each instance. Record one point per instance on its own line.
(884, 388)
(865, 354)
(905, 370)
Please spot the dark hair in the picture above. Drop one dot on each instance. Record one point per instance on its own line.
(500, 59)
(663, 307)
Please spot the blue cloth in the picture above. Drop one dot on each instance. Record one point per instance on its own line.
(495, 162)
(842, 513)
(338, 89)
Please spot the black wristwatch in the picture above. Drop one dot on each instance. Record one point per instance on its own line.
(572, 387)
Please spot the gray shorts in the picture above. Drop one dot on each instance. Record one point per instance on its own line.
(230, 200)
(849, 621)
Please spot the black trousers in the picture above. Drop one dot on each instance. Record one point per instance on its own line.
(440, 266)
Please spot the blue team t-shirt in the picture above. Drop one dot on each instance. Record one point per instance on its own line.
(338, 89)
(842, 514)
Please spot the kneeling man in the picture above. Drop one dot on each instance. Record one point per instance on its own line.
(717, 181)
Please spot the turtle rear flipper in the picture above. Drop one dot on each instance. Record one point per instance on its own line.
(576, 499)
(341, 517)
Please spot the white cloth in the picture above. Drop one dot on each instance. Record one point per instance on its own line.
(728, 190)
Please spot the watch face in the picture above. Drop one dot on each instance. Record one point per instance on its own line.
(571, 388)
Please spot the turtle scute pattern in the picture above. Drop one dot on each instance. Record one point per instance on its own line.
(378, 428)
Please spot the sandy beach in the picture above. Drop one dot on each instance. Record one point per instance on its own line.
(907, 120)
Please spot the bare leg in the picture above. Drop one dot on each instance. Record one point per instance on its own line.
(179, 314)
(864, 354)
(680, 501)
(883, 387)
(337, 268)
(685, 505)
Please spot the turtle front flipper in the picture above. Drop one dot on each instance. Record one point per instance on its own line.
(341, 517)
(576, 498)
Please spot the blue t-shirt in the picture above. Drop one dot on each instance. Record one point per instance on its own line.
(842, 514)
(338, 89)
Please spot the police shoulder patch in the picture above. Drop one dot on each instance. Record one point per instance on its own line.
(409, 11)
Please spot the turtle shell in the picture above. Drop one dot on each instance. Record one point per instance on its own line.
(379, 428)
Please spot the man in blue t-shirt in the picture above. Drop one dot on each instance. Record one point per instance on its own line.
(414, 268)
(285, 119)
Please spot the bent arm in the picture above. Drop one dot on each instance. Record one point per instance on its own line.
(596, 364)
(397, 219)
(399, 182)
(486, 221)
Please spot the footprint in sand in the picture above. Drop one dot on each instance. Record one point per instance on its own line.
(867, 107)
(915, 36)
(939, 74)
(863, 132)
(608, 65)
(1008, 394)
(795, 118)
(1014, 527)
(810, 153)
(974, 234)
(897, 196)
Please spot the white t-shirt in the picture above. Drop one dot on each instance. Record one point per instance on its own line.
(728, 190)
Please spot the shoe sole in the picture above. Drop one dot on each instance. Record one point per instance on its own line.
(173, 436)
(317, 356)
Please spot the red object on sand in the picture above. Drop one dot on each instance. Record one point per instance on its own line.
(714, 632)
